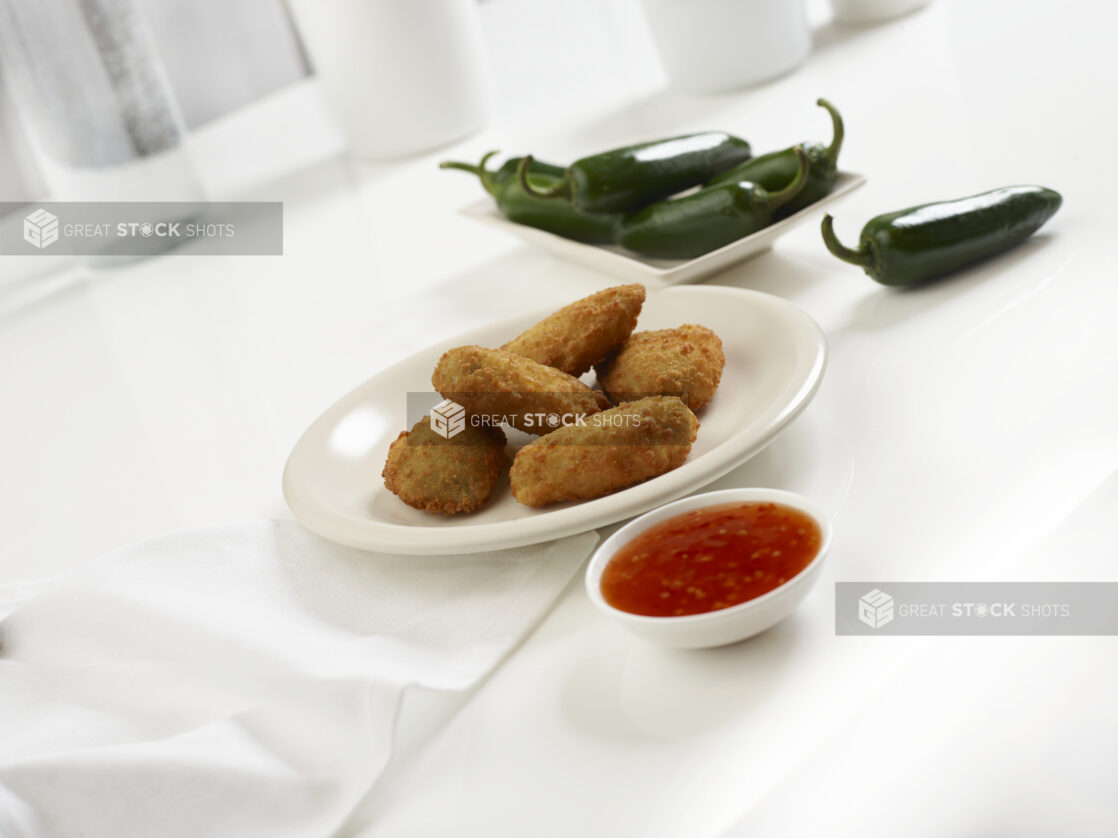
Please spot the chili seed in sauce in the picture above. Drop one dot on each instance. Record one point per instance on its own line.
(712, 558)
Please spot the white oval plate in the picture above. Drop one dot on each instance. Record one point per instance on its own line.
(623, 264)
(775, 357)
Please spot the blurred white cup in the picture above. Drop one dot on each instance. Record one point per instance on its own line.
(708, 46)
(871, 11)
(402, 76)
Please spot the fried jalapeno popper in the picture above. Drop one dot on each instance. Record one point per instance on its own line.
(445, 476)
(612, 450)
(685, 362)
(579, 335)
(523, 393)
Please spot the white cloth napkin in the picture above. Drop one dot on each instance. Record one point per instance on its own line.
(240, 681)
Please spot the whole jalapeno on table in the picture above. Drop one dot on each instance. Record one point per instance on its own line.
(631, 177)
(776, 169)
(930, 240)
(686, 227)
(553, 216)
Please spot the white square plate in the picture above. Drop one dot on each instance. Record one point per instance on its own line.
(616, 261)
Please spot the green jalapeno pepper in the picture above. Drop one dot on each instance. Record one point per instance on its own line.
(628, 178)
(930, 240)
(776, 169)
(553, 216)
(686, 227)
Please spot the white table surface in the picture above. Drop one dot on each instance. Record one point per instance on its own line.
(960, 426)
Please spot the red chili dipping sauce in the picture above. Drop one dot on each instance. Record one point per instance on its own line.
(710, 558)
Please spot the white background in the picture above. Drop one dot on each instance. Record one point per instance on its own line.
(960, 429)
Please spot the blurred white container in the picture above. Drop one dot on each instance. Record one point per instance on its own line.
(88, 85)
(401, 75)
(708, 46)
(872, 11)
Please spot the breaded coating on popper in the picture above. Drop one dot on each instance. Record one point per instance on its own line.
(614, 449)
(685, 362)
(445, 476)
(579, 335)
(496, 382)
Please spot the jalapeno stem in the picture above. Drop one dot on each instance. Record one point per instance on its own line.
(462, 167)
(484, 175)
(779, 199)
(861, 257)
(839, 132)
(553, 191)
